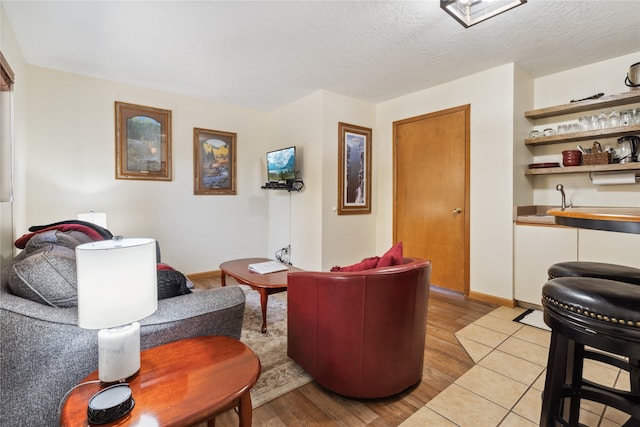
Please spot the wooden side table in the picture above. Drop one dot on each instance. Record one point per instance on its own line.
(179, 384)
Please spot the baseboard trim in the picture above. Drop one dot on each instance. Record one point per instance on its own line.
(204, 275)
(492, 299)
(529, 306)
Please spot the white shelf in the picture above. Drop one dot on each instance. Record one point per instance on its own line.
(606, 101)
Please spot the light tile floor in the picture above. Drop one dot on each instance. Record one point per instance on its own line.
(505, 386)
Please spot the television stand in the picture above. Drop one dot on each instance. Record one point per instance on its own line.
(289, 185)
(275, 185)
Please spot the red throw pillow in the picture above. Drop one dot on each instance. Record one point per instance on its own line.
(392, 257)
(163, 266)
(365, 264)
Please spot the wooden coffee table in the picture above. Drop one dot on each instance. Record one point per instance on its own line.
(265, 284)
(179, 384)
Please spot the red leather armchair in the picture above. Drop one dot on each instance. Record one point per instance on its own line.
(360, 334)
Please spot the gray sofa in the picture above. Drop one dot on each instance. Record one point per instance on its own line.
(44, 353)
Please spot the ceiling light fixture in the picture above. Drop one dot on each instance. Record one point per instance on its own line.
(470, 12)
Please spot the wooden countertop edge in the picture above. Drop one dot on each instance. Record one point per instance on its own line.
(540, 224)
(603, 214)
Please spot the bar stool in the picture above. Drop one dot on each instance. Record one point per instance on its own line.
(603, 315)
(600, 270)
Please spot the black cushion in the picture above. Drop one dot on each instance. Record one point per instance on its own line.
(171, 283)
(599, 270)
(594, 306)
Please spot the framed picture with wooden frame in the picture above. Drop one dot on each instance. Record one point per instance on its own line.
(354, 169)
(214, 157)
(143, 142)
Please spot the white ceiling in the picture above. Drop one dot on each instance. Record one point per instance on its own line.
(265, 54)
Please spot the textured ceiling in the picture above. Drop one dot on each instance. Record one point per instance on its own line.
(265, 54)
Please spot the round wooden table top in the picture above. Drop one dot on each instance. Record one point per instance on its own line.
(239, 268)
(179, 384)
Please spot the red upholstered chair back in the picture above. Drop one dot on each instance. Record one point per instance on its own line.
(360, 334)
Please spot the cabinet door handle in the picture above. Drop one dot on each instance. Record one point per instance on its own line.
(457, 210)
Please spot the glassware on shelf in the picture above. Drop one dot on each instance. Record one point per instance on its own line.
(583, 122)
(626, 118)
(602, 120)
(607, 119)
(614, 119)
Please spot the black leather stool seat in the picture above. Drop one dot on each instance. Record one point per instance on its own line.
(603, 315)
(600, 270)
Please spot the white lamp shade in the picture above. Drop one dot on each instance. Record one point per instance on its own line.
(117, 282)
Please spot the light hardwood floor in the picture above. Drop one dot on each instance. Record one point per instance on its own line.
(444, 361)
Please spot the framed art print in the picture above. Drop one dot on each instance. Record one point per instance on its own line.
(143, 142)
(354, 169)
(214, 156)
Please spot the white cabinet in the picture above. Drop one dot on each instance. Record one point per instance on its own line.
(536, 248)
(606, 246)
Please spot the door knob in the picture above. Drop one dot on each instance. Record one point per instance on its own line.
(457, 210)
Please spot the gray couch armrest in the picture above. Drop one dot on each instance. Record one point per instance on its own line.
(195, 304)
(217, 311)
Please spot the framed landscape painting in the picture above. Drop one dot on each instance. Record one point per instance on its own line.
(354, 169)
(143, 142)
(214, 156)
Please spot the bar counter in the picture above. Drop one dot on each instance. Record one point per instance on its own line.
(622, 220)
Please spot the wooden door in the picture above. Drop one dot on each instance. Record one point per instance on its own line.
(431, 193)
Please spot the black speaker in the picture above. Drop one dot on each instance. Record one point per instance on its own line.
(110, 404)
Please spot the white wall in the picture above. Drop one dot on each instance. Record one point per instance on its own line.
(347, 238)
(319, 237)
(523, 101)
(490, 94)
(71, 169)
(299, 214)
(498, 99)
(607, 77)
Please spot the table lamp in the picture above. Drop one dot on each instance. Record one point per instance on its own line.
(117, 286)
(98, 218)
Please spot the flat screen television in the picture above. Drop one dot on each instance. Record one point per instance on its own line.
(281, 164)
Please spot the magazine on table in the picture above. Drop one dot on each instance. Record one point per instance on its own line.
(267, 267)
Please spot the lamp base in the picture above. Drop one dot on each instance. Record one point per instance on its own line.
(118, 352)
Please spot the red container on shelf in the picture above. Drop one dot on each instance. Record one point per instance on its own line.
(571, 158)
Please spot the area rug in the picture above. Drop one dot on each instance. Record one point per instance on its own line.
(279, 373)
(532, 318)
